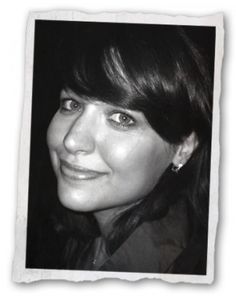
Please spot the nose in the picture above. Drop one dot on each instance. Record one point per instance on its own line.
(80, 138)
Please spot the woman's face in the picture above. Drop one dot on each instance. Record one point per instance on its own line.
(103, 156)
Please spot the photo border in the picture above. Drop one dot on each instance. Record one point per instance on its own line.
(22, 274)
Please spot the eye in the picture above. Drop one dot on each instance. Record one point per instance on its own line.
(122, 120)
(68, 105)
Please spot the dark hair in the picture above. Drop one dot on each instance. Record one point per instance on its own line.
(158, 70)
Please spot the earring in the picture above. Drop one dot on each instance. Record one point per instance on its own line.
(176, 168)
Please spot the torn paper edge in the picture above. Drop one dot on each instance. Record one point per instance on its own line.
(22, 274)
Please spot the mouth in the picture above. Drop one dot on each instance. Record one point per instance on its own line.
(78, 173)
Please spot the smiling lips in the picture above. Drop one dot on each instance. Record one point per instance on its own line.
(77, 173)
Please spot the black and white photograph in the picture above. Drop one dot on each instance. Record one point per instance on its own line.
(119, 154)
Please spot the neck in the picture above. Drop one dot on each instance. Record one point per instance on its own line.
(107, 217)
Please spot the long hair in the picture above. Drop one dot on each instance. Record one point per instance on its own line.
(159, 71)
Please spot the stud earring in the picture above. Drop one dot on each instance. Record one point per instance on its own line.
(176, 168)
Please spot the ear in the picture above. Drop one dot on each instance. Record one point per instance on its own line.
(185, 149)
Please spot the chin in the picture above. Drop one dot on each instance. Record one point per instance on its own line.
(75, 201)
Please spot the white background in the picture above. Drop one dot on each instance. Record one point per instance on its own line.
(13, 18)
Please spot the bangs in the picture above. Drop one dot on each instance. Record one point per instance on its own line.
(147, 68)
(121, 66)
(100, 74)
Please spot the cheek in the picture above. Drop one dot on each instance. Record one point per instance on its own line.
(143, 158)
(55, 137)
(51, 134)
(57, 130)
(117, 151)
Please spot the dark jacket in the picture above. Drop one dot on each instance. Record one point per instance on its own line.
(160, 246)
(166, 245)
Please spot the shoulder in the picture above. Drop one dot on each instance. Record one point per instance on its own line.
(153, 246)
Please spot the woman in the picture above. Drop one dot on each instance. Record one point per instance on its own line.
(130, 148)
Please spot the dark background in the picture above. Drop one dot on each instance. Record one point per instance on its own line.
(43, 244)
